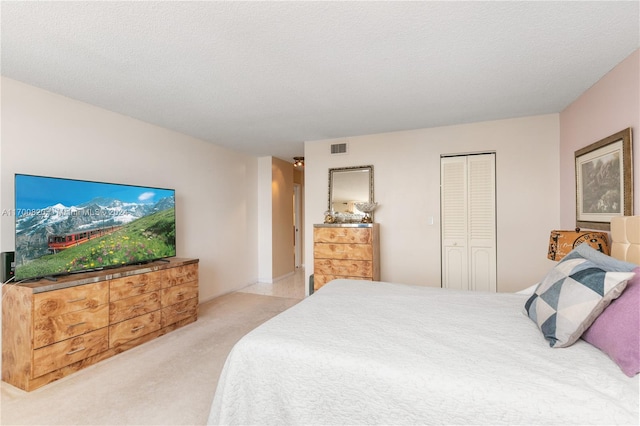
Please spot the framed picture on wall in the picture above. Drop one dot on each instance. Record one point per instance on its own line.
(604, 181)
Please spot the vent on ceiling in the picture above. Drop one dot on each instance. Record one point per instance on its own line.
(339, 148)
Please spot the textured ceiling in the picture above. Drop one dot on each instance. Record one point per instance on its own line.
(262, 77)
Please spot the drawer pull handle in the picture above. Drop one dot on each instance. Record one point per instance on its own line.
(139, 285)
(77, 324)
(76, 350)
(80, 299)
(182, 312)
(133, 330)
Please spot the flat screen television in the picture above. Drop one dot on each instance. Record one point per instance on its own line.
(66, 226)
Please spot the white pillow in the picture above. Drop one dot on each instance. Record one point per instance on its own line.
(529, 290)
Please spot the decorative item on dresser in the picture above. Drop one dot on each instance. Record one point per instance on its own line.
(562, 242)
(53, 329)
(367, 209)
(350, 250)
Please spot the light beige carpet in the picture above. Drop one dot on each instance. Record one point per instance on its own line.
(168, 381)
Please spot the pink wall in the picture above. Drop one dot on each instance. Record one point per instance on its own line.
(610, 105)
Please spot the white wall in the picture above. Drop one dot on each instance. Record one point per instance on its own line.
(407, 187)
(216, 188)
(265, 220)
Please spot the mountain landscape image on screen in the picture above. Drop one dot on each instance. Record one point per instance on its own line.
(100, 233)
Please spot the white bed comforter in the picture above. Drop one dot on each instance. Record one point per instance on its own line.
(360, 352)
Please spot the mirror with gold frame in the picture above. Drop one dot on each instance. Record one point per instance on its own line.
(350, 185)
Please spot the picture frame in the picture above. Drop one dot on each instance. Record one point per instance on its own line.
(604, 181)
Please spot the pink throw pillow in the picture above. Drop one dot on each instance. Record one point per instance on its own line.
(616, 331)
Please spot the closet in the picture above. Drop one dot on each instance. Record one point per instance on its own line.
(468, 220)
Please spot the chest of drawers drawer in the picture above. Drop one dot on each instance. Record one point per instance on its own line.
(322, 279)
(130, 307)
(179, 311)
(182, 274)
(133, 328)
(48, 330)
(343, 251)
(66, 352)
(179, 293)
(343, 235)
(344, 268)
(59, 302)
(134, 285)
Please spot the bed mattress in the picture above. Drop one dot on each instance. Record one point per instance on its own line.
(360, 352)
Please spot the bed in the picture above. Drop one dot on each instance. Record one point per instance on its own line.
(383, 353)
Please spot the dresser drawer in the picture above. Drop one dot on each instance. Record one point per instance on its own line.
(320, 279)
(134, 306)
(58, 355)
(344, 268)
(133, 328)
(342, 235)
(182, 274)
(343, 251)
(179, 311)
(48, 330)
(179, 293)
(58, 302)
(121, 288)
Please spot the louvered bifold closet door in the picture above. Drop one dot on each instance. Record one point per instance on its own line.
(482, 222)
(453, 178)
(468, 222)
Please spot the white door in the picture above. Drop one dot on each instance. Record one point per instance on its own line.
(468, 218)
(453, 201)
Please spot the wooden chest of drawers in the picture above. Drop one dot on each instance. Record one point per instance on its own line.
(345, 251)
(50, 330)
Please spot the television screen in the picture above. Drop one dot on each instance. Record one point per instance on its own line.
(65, 226)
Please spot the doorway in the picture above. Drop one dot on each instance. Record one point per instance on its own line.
(297, 225)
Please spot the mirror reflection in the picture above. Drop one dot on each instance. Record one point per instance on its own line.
(348, 186)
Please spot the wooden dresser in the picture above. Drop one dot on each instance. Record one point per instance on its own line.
(52, 329)
(345, 251)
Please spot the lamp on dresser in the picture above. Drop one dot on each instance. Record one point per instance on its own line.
(562, 242)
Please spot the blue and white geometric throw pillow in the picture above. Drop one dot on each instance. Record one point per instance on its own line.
(603, 261)
(571, 296)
